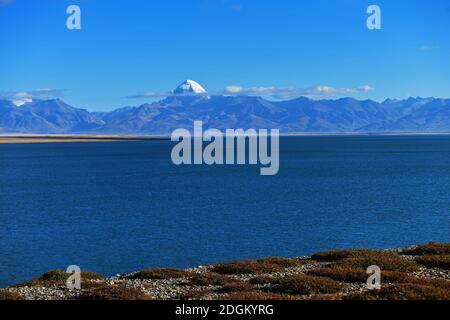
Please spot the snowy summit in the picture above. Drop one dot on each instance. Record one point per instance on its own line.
(189, 87)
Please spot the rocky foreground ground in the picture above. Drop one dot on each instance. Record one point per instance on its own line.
(414, 273)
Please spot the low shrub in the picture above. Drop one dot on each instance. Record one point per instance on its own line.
(325, 297)
(236, 286)
(263, 279)
(337, 255)
(349, 275)
(402, 292)
(92, 285)
(208, 279)
(280, 262)
(57, 278)
(105, 292)
(160, 274)
(9, 295)
(255, 296)
(247, 267)
(361, 259)
(395, 277)
(88, 275)
(435, 261)
(387, 261)
(301, 284)
(261, 266)
(432, 248)
(196, 294)
(430, 282)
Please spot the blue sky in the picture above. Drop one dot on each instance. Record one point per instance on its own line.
(130, 47)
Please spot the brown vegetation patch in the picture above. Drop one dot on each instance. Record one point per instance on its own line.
(302, 284)
(395, 277)
(405, 291)
(88, 275)
(263, 279)
(335, 255)
(8, 296)
(261, 266)
(236, 285)
(435, 261)
(362, 259)
(105, 292)
(244, 267)
(432, 248)
(160, 274)
(387, 261)
(57, 278)
(208, 279)
(255, 296)
(349, 275)
(194, 294)
(280, 262)
(436, 283)
(342, 274)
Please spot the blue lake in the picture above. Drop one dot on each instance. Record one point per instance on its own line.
(120, 207)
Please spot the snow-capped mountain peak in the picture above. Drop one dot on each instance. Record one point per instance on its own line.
(189, 87)
(21, 102)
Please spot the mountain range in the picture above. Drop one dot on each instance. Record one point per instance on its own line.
(219, 111)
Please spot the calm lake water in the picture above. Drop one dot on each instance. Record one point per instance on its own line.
(120, 207)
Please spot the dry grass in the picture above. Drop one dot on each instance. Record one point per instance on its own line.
(9, 296)
(105, 292)
(337, 255)
(301, 284)
(261, 280)
(280, 262)
(342, 274)
(255, 296)
(57, 278)
(349, 275)
(406, 291)
(435, 283)
(431, 248)
(208, 279)
(362, 259)
(267, 265)
(244, 267)
(435, 261)
(387, 261)
(236, 286)
(396, 277)
(87, 275)
(160, 274)
(227, 284)
(432, 255)
(195, 294)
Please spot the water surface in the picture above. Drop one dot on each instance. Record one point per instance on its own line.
(119, 207)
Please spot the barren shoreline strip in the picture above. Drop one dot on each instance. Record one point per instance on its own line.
(57, 138)
(18, 139)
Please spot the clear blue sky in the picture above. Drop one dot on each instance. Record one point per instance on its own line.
(127, 47)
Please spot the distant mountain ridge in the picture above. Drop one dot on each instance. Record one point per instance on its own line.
(221, 112)
(45, 116)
